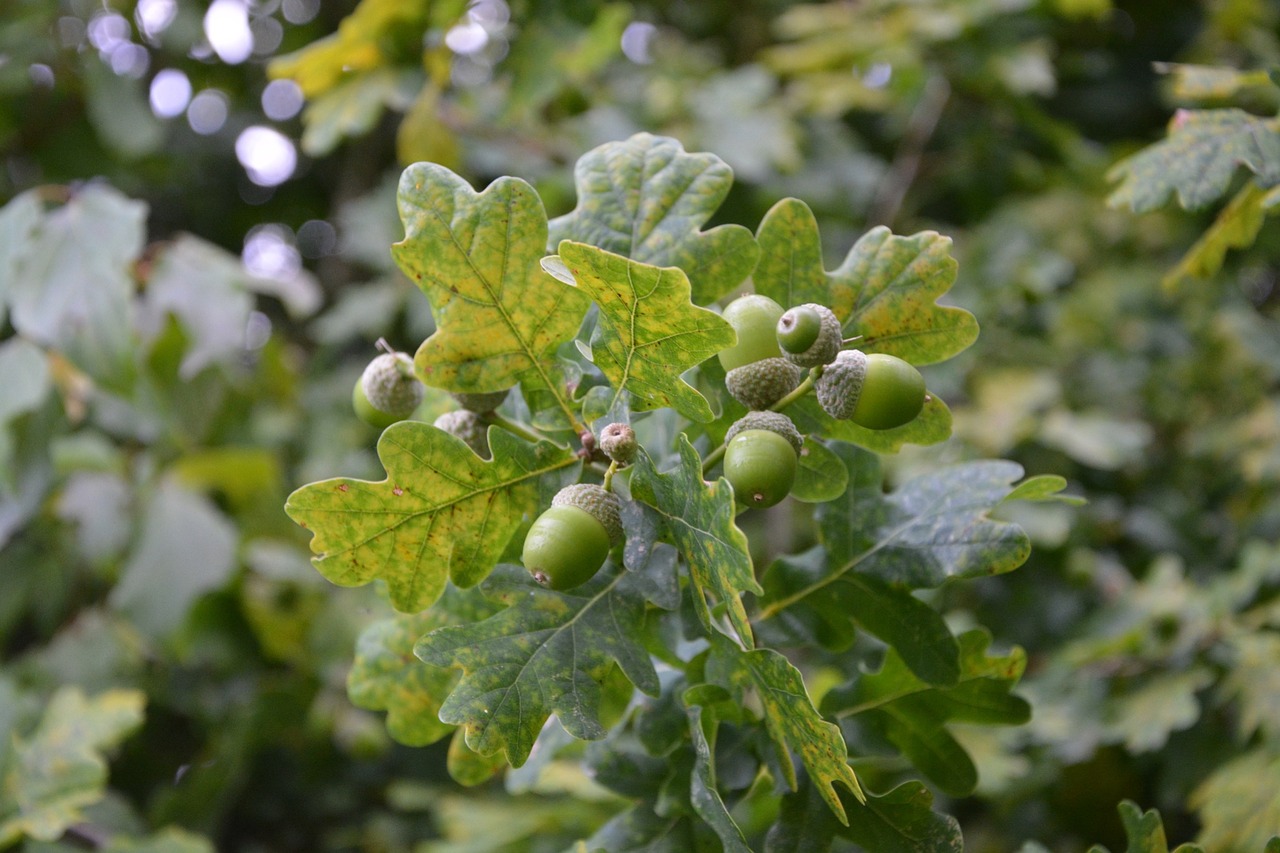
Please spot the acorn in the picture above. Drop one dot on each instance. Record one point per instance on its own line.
(388, 390)
(762, 383)
(480, 402)
(761, 458)
(809, 335)
(569, 542)
(467, 426)
(618, 442)
(877, 391)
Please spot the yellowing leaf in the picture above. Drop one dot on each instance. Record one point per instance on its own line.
(499, 317)
(441, 514)
(649, 331)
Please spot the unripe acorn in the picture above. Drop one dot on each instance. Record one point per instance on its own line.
(762, 383)
(618, 441)
(387, 391)
(480, 402)
(761, 458)
(467, 426)
(877, 391)
(809, 335)
(568, 543)
(754, 317)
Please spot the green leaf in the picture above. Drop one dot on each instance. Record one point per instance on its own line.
(1238, 811)
(642, 830)
(1043, 487)
(19, 221)
(908, 712)
(442, 513)
(499, 317)
(26, 379)
(73, 287)
(1144, 831)
(546, 653)
(703, 794)
(171, 839)
(1209, 82)
(698, 518)
(645, 198)
(59, 769)
(187, 548)
(901, 821)
(822, 476)
(932, 528)
(648, 331)
(884, 291)
(387, 676)
(1198, 159)
(913, 628)
(790, 718)
(1147, 712)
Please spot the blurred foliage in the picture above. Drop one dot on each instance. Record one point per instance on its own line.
(151, 426)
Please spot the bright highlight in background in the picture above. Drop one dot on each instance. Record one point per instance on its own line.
(226, 26)
(170, 93)
(267, 155)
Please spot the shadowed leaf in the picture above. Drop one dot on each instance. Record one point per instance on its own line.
(901, 821)
(546, 653)
(702, 791)
(441, 514)
(698, 518)
(645, 198)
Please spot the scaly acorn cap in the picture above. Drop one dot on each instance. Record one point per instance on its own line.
(762, 383)
(772, 421)
(825, 346)
(390, 385)
(603, 505)
(840, 384)
(480, 402)
(467, 426)
(618, 441)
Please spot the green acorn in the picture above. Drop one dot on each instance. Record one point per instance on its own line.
(809, 335)
(481, 402)
(618, 441)
(761, 458)
(467, 426)
(877, 391)
(568, 543)
(762, 383)
(754, 318)
(388, 390)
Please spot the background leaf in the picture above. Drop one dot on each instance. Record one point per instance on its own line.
(645, 198)
(698, 517)
(647, 332)
(1198, 159)
(499, 317)
(546, 653)
(442, 513)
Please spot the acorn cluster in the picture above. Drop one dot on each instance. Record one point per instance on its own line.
(779, 355)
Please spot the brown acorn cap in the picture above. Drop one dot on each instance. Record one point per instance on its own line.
(762, 383)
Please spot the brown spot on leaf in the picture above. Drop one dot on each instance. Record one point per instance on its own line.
(397, 491)
(342, 487)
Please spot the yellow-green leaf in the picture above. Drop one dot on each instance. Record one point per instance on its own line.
(442, 513)
(649, 331)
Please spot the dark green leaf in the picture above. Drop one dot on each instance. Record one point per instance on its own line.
(702, 792)
(646, 199)
(901, 821)
(648, 331)
(546, 653)
(441, 514)
(698, 517)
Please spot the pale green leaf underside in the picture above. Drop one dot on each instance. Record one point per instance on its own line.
(648, 332)
(646, 198)
(546, 653)
(499, 317)
(441, 514)
(698, 518)
(1198, 159)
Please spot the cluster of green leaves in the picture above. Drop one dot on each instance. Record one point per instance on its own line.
(496, 656)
